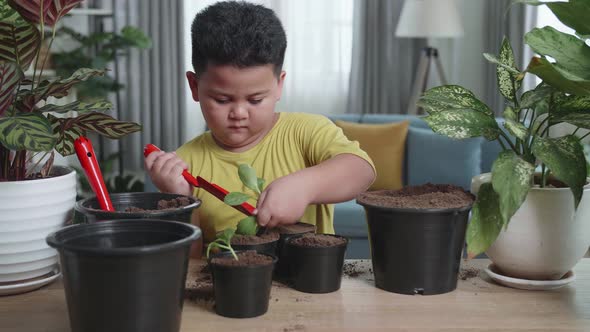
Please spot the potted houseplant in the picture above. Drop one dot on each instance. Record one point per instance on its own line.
(37, 198)
(531, 213)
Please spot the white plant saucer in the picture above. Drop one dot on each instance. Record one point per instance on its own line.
(29, 285)
(527, 284)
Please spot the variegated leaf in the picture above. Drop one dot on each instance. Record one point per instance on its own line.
(106, 125)
(10, 76)
(573, 13)
(510, 114)
(559, 78)
(530, 98)
(66, 132)
(508, 83)
(486, 221)
(30, 131)
(451, 97)
(574, 110)
(77, 106)
(565, 158)
(462, 124)
(46, 12)
(511, 178)
(493, 59)
(516, 129)
(19, 43)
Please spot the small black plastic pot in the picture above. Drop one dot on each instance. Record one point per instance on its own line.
(416, 251)
(88, 210)
(125, 275)
(282, 271)
(241, 291)
(315, 269)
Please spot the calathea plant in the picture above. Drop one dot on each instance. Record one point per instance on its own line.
(562, 96)
(29, 125)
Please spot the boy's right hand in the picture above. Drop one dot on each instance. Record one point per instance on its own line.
(165, 169)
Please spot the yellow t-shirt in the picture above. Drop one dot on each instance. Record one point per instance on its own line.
(297, 141)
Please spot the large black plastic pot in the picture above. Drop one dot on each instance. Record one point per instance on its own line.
(282, 271)
(416, 251)
(241, 291)
(125, 275)
(315, 269)
(88, 210)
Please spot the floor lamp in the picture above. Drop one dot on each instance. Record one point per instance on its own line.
(428, 19)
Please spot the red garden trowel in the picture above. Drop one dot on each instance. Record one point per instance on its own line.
(85, 153)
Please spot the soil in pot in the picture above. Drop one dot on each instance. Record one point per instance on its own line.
(287, 231)
(266, 242)
(315, 262)
(242, 287)
(417, 235)
(163, 204)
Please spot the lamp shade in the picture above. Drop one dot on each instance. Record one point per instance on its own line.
(429, 18)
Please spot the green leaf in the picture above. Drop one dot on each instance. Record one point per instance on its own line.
(106, 125)
(451, 97)
(510, 114)
(486, 221)
(570, 53)
(226, 235)
(559, 78)
(565, 158)
(136, 37)
(507, 80)
(9, 15)
(247, 226)
(29, 131)
(511, 178)
(77, 106)
(574, 14)
(248, 176)
(493, 59)
(235, 198)
(572, 109)
(10, 76)
(530, 98)
(462, 124)
(19, 43)
(261, 183)
(516, 129)
(66, 134)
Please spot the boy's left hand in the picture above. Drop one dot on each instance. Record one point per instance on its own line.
(283, 201)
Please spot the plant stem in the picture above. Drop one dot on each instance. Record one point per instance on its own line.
(18, 165)
(47, 56)
(4, 162)
(502, 144)
(543, 176)
(509, 142)
(38, 162)
(585, 135)
(575, 131)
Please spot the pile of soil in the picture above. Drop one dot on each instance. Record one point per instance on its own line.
(199, 285)
(318, 241)
(163, 204)
(427, 196)
(468, 273)
(352, 269)
(298, 228)
(267, 237)
(245, 258)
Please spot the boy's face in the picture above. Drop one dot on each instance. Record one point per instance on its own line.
(238, 103)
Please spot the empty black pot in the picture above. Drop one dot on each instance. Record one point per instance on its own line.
(241, 291)
(125, 275)
(88, 210)
(282, 271)
(314, 269)
(416, 251)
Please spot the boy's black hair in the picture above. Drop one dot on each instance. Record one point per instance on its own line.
(237, 33)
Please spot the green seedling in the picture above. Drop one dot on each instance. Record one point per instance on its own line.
(223, 241)
(248, 225)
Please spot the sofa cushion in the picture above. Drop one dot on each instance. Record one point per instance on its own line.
(415, 121)
(385, 144)
(345, 117)
(439, 159)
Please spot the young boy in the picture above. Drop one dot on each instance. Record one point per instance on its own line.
(238, 52)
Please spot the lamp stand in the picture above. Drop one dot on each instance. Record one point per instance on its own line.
(428, 58)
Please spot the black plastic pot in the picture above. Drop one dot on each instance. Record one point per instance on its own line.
(267, 248)
(125, 275)
(241, 291)
(88, 210)
(416, 251)
(315, 269)
(282, 271)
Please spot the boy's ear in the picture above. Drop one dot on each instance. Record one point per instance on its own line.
(193, 84)
(281, 82)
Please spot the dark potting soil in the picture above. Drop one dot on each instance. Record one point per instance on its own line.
(318, 241)
(163, 204)
(199, 285)
(245, 258)
(297, 228)
(267, 237)
(427, 196)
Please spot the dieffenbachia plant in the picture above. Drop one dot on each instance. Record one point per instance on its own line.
(562, 96)
(29, 123)
(248, 225)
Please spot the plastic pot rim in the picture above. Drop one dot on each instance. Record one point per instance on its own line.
(227, 253)
(422, 211)
(153, 213)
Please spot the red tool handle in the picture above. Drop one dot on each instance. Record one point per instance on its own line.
(85, 153)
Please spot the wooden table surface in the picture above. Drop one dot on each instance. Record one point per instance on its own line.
(478, 304)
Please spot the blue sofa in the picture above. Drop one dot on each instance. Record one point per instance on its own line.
(429, 157)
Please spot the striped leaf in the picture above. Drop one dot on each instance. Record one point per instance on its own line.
(77, 106)
(66, 134)
(9, 15)
(574, 110)
(460, 124)
(10, 76)
(19, 43)
(451, 97)
(47, 12)
(29, 131)
(105, 125)
(508, 83)
(559, 78)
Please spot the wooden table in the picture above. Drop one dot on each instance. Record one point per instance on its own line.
(477, 304)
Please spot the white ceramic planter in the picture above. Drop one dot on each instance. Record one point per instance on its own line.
(29, 211)
(546, 237)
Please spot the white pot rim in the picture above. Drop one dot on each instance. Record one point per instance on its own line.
(482, 177)
(66, 171)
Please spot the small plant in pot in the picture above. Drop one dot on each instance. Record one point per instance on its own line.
(417, 234)
(531, 213)
(32, 129)
(241, 279)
